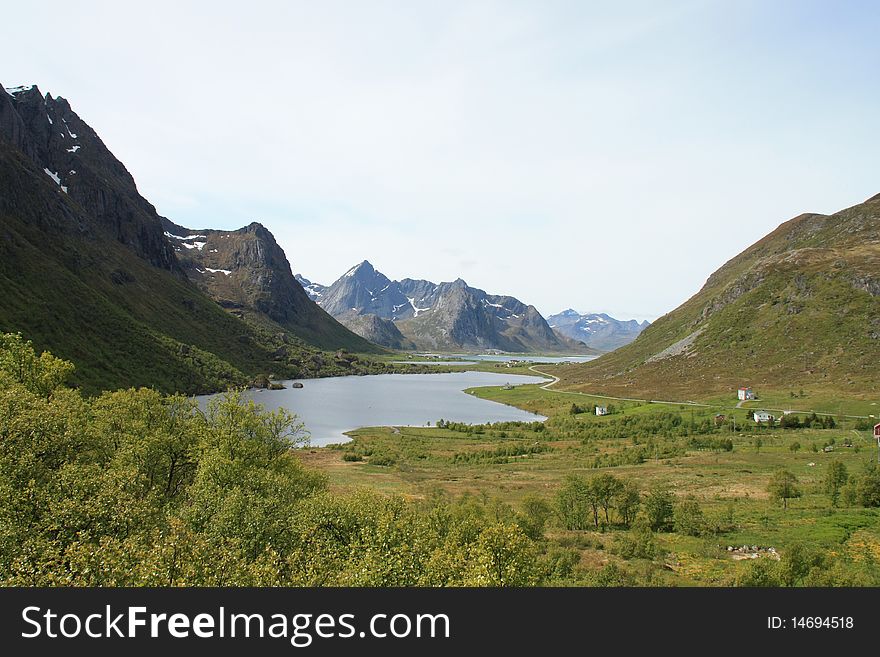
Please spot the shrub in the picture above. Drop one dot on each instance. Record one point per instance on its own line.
(688, 517)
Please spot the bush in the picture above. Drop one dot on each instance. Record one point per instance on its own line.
(659, 509)
(637, 543)
(868, 487)
(688, 517)
(574, 503)
(382, 459)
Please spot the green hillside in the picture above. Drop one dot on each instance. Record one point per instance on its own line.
(795, 316)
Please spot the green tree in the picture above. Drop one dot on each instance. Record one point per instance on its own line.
(836, 477)
(638, 542)
(759, 573)
(795, 446)
(574, 501)
(783, 486)
(659, 508)
(606, 488)
(688, 518)
(868, 487)
(501, 556)
(534, 515)
(627, 501)
(797, 562)
(19, 363)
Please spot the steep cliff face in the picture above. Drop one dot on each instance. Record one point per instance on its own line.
(75, 159)
(246, 271)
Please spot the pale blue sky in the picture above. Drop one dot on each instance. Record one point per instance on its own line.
(604, 156)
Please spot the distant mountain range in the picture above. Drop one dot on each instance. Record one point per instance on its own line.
(436, 316)
(797, 311)
(91, 272)
(596, 330)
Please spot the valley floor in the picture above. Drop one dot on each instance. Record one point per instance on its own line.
(516, 464)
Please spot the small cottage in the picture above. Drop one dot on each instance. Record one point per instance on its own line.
(745, 394)
(601, 410)
(763, 416)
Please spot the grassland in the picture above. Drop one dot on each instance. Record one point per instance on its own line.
(512, 463)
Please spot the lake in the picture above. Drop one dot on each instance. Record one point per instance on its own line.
(330, 407)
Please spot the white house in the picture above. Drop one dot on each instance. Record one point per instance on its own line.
(601, 410)
(745, 394)
(763, 416)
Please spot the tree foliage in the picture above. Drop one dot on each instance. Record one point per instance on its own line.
(133, 488)
(783, 486)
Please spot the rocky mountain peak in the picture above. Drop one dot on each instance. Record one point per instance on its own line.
(598, 330)
(75, 160)
(449, 315)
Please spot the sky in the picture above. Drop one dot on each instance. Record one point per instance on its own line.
(602, 156)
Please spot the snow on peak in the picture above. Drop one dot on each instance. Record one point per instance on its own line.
(416, 310)
(12, 91)
(188, 237)
(183, 240)
(72, 135)
(53, 176)
(218, 271)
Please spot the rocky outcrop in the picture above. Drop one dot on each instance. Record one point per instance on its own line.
(377, 330)
(245, 270)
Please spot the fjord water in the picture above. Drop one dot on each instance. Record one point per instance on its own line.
(530, 358)
(329, 407)
(468, 359)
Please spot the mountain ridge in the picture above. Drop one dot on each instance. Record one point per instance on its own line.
(597, 330)
(447, 315)
(88, 274)
(797, 310)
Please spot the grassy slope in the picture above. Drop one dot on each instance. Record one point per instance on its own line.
(788, 314)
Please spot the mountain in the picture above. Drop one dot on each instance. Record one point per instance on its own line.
(797, 310)
(247, 272)
(377, 330)
(364, 290)
(596, 330)
(314, 290)
(87, 272)
(447, 316)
